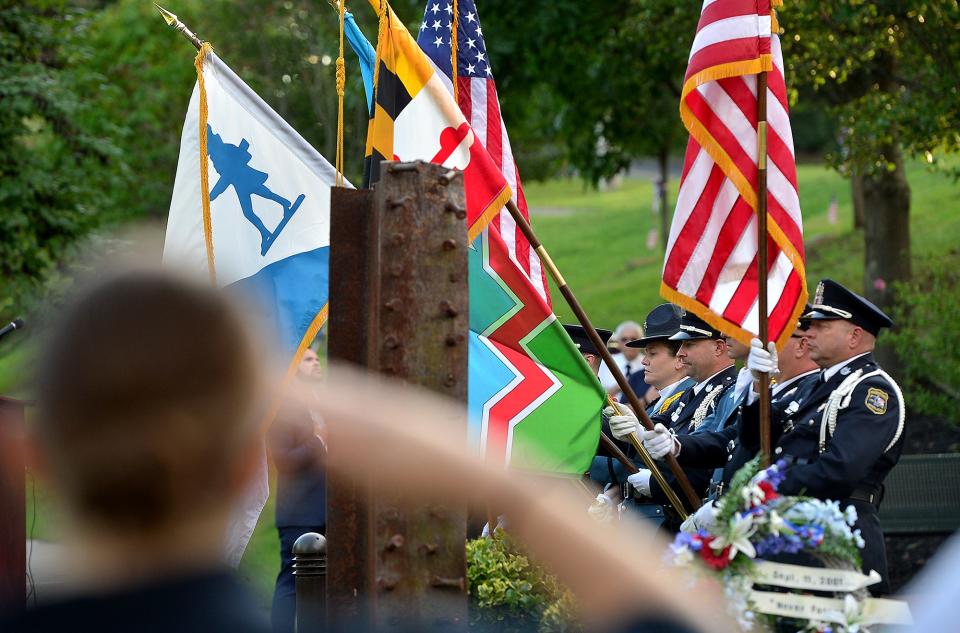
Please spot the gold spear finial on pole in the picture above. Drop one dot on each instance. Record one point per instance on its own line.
(173, 21)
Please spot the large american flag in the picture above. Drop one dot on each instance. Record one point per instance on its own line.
(711, 260)
(477, 97)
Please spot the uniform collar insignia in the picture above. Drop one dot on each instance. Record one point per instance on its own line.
(845, 370)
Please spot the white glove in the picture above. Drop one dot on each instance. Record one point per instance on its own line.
(602, 509)
(703, 519)
(660, 442)
(762, 361)
(501, 525)
(640, 480)
(622, 424)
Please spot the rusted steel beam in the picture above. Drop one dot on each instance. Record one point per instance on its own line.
(353, 298)
(422, 330)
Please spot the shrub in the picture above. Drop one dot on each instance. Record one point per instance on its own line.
(508, 592)
(927, 336)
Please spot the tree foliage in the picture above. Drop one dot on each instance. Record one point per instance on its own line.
(54, 166)
(926, 338)
(886, 70)
(604, 78)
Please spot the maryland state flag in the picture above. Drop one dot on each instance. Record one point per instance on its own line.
(416, 118)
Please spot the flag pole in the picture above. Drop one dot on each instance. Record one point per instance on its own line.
(652, 466)
(762, 236)
(598, 343)
(174, 22)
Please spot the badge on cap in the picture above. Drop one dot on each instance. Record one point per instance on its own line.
(877, 400)
(818, 297)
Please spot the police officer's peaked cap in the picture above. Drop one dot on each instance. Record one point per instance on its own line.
(693, 328)
(662, 323)
(833, 301)
(582, 341)
(803, 323)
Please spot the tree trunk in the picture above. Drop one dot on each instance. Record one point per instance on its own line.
(886, 197)
(856, 191)
(664, 161)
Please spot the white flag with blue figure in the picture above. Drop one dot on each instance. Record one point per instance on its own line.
(260, 225)
(269, 206)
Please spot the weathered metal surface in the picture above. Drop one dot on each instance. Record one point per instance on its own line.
(422, 326)
(353, 292)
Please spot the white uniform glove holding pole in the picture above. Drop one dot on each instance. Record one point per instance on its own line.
(703, 519)
(640, 480)
(762, 361)
(622, 422)
(602, 509)
(660, 442)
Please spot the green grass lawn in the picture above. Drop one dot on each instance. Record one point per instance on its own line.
(598, 239)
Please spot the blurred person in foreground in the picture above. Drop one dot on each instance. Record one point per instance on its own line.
(149, 444)
(297, 446)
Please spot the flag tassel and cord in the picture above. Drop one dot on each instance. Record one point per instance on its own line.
(764, 382)
(453, 52)
(584, 320)
(341, 84)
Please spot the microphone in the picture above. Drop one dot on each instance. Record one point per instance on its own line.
(16, 324)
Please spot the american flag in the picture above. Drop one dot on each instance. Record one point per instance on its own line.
(477, 97)
(711, 260)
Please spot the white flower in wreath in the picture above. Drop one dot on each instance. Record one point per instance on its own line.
(682, 555)
(852, 616)
(858, 539)
(775, 523)
(737, 537)
(753, 495)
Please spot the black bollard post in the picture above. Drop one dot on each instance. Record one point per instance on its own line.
(310, 570)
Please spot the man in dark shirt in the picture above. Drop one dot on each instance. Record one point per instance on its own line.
(297, 447)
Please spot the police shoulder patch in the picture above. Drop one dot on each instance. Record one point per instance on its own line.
(876, 400)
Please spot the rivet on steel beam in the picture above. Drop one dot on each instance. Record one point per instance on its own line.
(398, 239)
(450, 380)
(451, 341)
(450, 244)
(399, 202)
(441, 582)
(391, 342)
(387, 584)
(455, 209)
(454, 278)
(396, 541)
(396, 271)
(427, 549)
(448, 177)
(392, 305)
(448, 309)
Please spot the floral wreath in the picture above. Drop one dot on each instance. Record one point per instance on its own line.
(754, 521)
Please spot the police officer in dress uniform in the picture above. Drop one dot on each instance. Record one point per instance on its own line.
(721, 449)
(665, 372)
(704, 355)
(843, 433)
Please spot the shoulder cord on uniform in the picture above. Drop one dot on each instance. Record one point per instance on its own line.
(701, 413)
(840, 399)
(666, 403)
